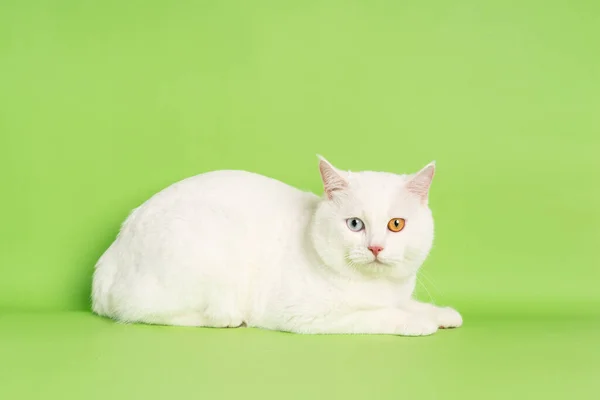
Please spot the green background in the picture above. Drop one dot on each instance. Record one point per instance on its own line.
(103, 103)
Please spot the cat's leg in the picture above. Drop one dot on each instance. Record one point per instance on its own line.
(189, 319)
(202, 320)
(445, 317)
(382, 321)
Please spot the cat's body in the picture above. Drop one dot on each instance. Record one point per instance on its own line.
(232, 248)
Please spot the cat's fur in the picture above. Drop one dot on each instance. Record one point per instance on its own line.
(232, 248)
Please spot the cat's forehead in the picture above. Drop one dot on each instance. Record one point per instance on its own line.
(380, 192)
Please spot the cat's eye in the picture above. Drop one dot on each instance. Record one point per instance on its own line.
(355, 224)
(396, 224)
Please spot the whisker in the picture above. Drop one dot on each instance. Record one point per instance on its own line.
(430, 280)
(349, 261)
(431, 299)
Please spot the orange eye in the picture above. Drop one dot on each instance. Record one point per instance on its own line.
(396, 224)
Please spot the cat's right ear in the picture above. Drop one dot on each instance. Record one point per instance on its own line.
(332, 179)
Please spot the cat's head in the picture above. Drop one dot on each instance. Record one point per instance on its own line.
(373, 223)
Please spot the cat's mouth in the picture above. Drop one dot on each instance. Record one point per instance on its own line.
(377, 263)
(368, 262)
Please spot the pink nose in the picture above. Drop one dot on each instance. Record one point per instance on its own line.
(375, 250)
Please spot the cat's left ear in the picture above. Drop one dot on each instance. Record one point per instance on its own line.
(420, 183)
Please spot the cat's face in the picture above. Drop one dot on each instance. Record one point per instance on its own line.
(373, 223)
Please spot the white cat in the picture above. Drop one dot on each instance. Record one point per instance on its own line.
(232, 248)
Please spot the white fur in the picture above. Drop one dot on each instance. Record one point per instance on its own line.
(232, 248)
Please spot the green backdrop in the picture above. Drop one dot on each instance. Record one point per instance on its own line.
(103, 103)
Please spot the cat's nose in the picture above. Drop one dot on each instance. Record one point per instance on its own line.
(375, 250)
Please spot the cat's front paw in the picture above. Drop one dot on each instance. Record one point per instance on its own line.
(448, 317)
(418, 325)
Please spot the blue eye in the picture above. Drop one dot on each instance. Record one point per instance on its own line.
(355, 224)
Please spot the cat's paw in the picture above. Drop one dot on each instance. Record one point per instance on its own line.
(418, 325)
(448, 317)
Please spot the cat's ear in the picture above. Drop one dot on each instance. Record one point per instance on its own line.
(333, 180)
(421, 181)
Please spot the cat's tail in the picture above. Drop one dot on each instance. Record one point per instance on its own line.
(102, 282)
